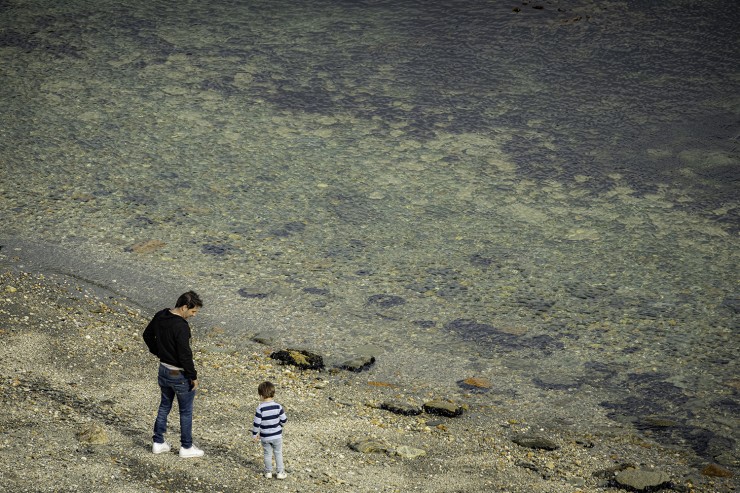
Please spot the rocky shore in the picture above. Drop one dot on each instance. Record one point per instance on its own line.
(79, 396)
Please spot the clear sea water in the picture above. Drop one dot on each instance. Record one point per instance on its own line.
(543, 197)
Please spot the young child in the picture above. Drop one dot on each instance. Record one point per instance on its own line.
(269, 420)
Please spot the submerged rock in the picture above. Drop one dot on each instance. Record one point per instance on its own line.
(476, 385)
(385, 300)
(358, 364)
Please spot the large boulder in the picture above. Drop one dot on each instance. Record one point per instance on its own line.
(301, 358)
(642, 479)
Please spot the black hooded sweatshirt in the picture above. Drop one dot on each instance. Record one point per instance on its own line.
(168, 337)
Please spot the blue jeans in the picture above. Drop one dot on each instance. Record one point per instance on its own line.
(171, 386)
(270, 448)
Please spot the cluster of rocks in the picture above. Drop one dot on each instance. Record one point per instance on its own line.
(307, 360)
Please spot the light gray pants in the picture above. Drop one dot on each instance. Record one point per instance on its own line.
(273, 447)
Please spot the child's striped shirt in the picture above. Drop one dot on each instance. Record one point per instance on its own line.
(269, 420)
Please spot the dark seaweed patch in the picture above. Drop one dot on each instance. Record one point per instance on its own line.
(634, 407)
(544, 343)
(470, 330)
(15, 39)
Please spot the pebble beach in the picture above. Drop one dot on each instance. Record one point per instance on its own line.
(79, 397)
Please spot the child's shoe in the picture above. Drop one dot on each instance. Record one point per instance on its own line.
(282, 475)
(268, 475)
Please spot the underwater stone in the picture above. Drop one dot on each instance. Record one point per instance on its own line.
(385, 300)
(358, 364)
(250, 293)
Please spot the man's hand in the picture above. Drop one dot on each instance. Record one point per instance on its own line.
(194, 383)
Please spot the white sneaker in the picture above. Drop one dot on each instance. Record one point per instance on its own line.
(268, 475)
(193, 451)
(160, 448)
(282, 475)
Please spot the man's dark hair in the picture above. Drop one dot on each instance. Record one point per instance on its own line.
(189, 299)
(266, 390)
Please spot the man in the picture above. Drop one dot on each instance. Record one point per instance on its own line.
(168, 338)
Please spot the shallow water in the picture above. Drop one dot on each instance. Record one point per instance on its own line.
(546, 198)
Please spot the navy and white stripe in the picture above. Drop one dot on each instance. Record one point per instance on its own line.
(269, 421)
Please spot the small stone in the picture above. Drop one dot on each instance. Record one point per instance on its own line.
(443, 408)
(10, 289)
(93, 434)
(369, 446)
(409, 452)
(535, 442)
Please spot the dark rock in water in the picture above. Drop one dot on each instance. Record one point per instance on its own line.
(213, 249)
(358, 364)
(250, 293)
(537, 304)
(219, 250)
(301, 358)
(479, 260)
(535, 442)
(318, 291)
(732, 303)
(403, 408)
(470, 330)
(385, 300)
(443, 408)
(642, 479)
(289, 229)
